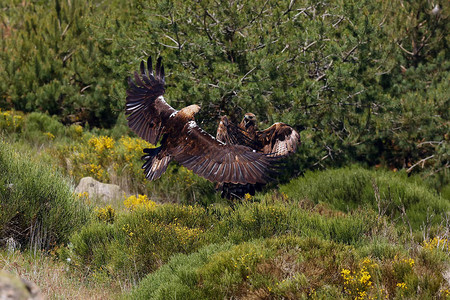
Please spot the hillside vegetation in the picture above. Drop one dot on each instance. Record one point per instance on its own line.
(361, 211)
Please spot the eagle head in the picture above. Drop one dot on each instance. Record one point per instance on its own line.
(190, 111)
(249, 120)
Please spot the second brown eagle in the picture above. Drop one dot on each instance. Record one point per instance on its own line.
(279, 140)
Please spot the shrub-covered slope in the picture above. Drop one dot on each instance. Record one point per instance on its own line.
(349, 225)
(38, 207)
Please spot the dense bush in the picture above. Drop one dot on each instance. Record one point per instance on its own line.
(348, 188)
(38, 207)
(149, 235)
(289, 267)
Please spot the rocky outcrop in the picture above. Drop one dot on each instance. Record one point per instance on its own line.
(98, 190)
(13, 287)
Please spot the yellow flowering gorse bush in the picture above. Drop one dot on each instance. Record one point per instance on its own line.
(102, 157)
(133, 202)
(436, 243)
(358, 284)
(106, 214)
(10, 120)
(101, 143)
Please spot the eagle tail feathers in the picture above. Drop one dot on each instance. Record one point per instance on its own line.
(154, 165)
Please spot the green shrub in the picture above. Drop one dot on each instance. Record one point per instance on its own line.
(279, 227)
(178, 278)
(261, 220)
(291, 267)
(148, 237)
(386, 192)
(38, 208)
(40, 122)
(89, 244)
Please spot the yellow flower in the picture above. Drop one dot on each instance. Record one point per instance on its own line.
(358, 284)
(84, 195)
(78, 129)
(445, 293)
(134, 144)
(436, 243)
(402, 285)
(101, 143)
(133, 202)
(49, 135)
(106, 214)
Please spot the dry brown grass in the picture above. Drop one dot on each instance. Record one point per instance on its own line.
(54, 278)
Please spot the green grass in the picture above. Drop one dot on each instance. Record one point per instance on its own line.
(38, 208)
(386, 192)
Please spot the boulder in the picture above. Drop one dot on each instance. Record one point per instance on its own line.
(13, 287)
(98, 190)
(446, 275)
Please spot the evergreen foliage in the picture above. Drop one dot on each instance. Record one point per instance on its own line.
(367, 80)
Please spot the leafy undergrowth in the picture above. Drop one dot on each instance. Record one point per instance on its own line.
(292, 267)
(291, 244)
(343, 233)
(396, 196)
(37, 206)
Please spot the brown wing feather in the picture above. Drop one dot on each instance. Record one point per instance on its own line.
(147, 111)
(219, 162)
(279, 139)
(229, 133)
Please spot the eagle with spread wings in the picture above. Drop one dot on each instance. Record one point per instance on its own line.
(182, 140)
(279, 140)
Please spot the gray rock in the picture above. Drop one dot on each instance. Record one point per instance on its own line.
(446, 275)
(13, 287)
(98, 190)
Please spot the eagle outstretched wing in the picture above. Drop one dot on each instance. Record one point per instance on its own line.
(279, 139)
(183, 140)
(146, 108)
(219, 162)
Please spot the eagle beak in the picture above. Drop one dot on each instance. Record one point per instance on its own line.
(246, 121)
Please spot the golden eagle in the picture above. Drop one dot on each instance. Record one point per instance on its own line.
(279, 140)
(182, 140)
